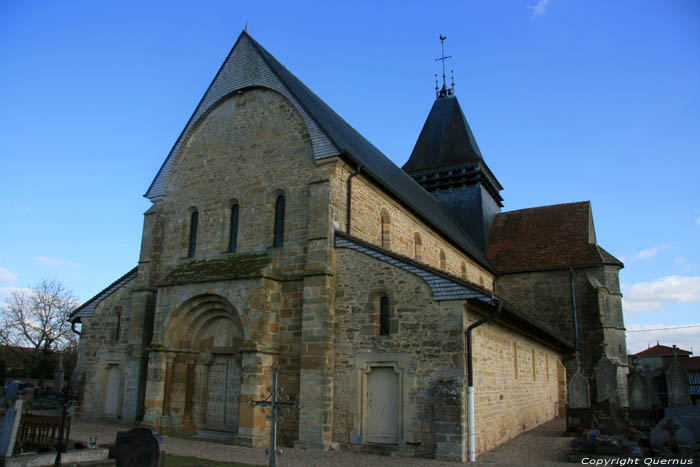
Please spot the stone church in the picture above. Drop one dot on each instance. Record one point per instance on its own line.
(280, 239)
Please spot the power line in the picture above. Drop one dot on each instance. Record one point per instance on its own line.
(667, 329)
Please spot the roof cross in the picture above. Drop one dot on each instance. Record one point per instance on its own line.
(444, 92)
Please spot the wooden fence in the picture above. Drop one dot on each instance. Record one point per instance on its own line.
(40, 433)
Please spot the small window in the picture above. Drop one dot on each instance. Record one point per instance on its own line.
(385, 229)
(233, 229)
(515, 359)
(534, 366)
(384, 316)
(194, 220)
(118, 324)
(417, 247)
(443, 261)
(278, 239)
(463, 271)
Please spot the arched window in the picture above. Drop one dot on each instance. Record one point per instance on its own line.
(385, 229)
(194, 220)
(417, 247)
(443, 261)
(384, 316)
(278, 239)
(233, 229)
(118, 324)
(463, 271)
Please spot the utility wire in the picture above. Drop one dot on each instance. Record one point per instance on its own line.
(667, 329)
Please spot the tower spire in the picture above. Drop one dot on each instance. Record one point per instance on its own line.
(444, 91)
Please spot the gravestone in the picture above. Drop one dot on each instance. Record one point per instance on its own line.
(670, 430)
(10, 428)
(140, 446)
(58, 380)
(638, 387)
(606, 382)
(677, 383)
(579, 393)
(689, 417)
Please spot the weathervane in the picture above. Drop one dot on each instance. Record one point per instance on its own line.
(444, 91)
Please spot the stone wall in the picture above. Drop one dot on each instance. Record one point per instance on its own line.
(100, 347)
(251, 148)
(368, 203)
(426, 344)
(546, 296)
(516, 383)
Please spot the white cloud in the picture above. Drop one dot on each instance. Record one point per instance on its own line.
(685, 338)
(645, 296)
(540, 8)
(55, 262)
(644, 254)
(6, 276)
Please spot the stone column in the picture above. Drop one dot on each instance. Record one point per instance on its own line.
(155, 389)
(253, 426)
(318, 319)
(167, 389)
(187, 424)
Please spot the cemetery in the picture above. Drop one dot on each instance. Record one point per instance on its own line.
(658, 422)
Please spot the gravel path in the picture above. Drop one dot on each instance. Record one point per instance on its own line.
(543, 446)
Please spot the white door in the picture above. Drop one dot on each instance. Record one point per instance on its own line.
(223, 389)
(112, 396)
(383, 406)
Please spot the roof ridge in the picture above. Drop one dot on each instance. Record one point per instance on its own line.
(104, 293)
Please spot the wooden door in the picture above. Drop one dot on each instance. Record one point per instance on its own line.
(383, 406)
(223, 389)
(113, 393)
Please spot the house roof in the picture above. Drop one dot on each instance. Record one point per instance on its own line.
(86, 309)
(445, 140)
(661, 351)
(547, 237)
(328, 129)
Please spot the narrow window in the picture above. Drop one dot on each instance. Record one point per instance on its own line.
(233, 230)
(193, 234)
(417, 247)
(384, 316)
(463, 271)
(385, 229)
(278, 240)
(534, 366)
(443, 261)
(515, 359)
(118, 327)
(546, 366)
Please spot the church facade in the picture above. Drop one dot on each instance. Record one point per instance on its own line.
(280, 239)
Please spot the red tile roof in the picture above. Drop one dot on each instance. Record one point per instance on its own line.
(546, 237)
(661, 350)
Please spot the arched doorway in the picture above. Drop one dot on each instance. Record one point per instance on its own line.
(205, 334)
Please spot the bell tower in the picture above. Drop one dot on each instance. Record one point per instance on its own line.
(446, 161)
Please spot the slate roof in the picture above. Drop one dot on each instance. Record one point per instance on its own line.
(547, 237)
(445, 140)
(661, 351)
(351, 145)
(86, 309)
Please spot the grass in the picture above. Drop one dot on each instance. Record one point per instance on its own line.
(184, 461)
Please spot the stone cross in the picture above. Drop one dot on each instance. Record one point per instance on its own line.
(275, 399)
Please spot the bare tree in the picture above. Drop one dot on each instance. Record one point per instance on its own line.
(38, 318)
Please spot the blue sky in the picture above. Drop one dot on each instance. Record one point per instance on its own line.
(568, 101)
